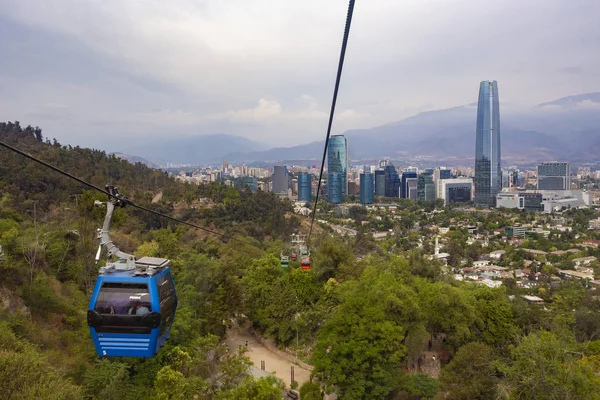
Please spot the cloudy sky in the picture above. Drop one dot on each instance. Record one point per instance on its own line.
(106, 73)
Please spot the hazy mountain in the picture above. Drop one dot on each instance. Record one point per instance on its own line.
(563, 129)
(195, 149)
(134, 159)
(567, 128)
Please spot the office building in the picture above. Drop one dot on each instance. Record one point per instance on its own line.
(439, 174)
(337, 168)
(406, 175)
(522, 200)
(304, 187)
(488, 175)
(366, 188)
(334, 188)
(392, 181)
(457, 190)
(506, 179)
(380, 182)
(425, 188)
(411, 188)
(281, 180)
(554, 176)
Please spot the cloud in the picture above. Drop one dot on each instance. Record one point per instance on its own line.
(265, 69)
(265, 111)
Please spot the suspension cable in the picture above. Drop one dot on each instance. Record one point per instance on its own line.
(123, 199)
(332, 111)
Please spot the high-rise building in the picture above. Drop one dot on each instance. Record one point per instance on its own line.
(392, 181)
(457, 190)
(425, 188)
(411, 188)
(337, 168)
(406, 175)
(379, 182)
(280, 179)
(439, 174)
(554, 176)
(334, 188)
(304, 187)
(366, 188)
(506, 179)
(488, 175)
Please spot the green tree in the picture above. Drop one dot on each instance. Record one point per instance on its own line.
(310, 391)
(471, 374)
(545, 366)
(107, 380)
(267, 388)
(359, 349)
(418, 387)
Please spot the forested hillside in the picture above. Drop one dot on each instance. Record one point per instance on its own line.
(362, 315)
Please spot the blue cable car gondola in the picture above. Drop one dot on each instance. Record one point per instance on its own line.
(134, 301)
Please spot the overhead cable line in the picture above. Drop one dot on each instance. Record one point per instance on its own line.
(123, 199)
(332, 111)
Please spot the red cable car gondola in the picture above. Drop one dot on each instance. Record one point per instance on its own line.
(305, 263)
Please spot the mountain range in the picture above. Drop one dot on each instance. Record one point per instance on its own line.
(563, 129)
(194, 149)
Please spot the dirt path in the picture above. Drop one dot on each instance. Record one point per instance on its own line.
(257, 352)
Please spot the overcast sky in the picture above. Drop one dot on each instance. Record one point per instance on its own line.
(109, 72)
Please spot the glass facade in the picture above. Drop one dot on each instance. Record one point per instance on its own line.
(554, 176)
(392, 181)
(334, 185)
(379, 183)
(304, 187)
(337, 168)
(458, 193)
(488, 175)
(404, 190)
(366, 188)
(425, 188)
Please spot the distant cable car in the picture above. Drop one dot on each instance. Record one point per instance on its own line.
(133, 305)
(305, 260)
(305, 263)
(285, 261)
(294, 256)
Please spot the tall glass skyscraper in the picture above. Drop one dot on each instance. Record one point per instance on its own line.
(334, 188)
(404, 188)
(304, 187)
(379, 182)
(425, 187)
(366, 188)
(337, 168)
(488, 175)
(392, 181)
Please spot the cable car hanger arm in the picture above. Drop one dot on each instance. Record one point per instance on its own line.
(115, 199)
